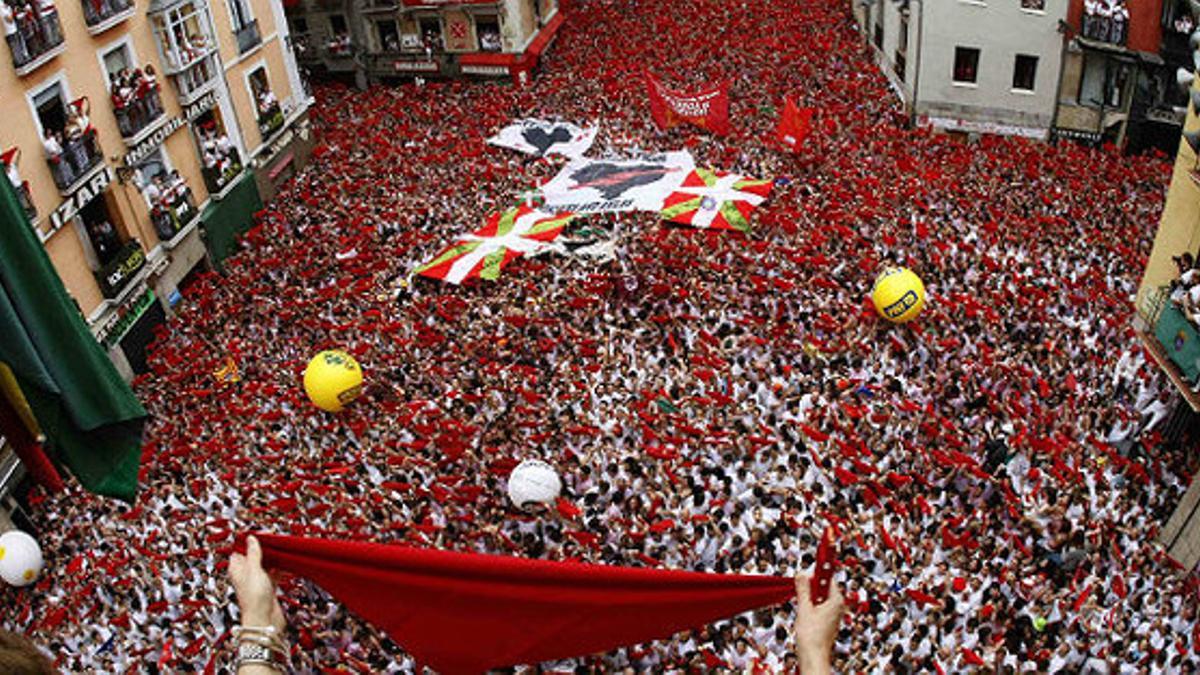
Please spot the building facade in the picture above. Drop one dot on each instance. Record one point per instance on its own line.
(970, 66)
(137, 136)
(1119, 64)
(381, 40)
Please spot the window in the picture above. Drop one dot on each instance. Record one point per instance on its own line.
(239, 14)
(100, 232)
(337, 24)
(167, 194)
(487, 31)
(68, 137)
(966, 65)
(299, 24)
(879, 34)
(388, 35)
(222, 161)
(133, 91)
(1103, 82)
(1035, 5)
(270, 115)
(431, 33)
(1025, 72)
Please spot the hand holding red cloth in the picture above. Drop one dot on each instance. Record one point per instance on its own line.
(467, 613)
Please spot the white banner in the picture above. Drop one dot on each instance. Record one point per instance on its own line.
(600, 185)
(541, 138)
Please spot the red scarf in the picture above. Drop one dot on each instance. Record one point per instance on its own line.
(467, 613)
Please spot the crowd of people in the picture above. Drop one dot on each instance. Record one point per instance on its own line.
(995, 471)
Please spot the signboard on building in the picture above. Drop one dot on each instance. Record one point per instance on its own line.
(162, 133)
(415, 66)
(970, 126)
(120, 321)
(471, 69)
(78, 199)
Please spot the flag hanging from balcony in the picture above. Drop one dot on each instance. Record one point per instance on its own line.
(707, 109)
(91, 419)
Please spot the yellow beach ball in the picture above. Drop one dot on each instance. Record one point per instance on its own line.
(332, 380)
(898, 294)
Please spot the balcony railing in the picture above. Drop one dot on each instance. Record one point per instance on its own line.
(196, 79)
(173, 212)
(38, 32)
(1113, 30)
(270, 121)
(72, 156)
(248, 37)
(115, 275)
(97, 12)
(137, 105)
(219, 172)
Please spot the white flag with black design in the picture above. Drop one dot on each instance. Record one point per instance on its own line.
(541, 138)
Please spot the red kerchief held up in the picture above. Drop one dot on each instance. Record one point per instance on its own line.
(466, 613)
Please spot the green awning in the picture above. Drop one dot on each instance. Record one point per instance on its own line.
(225, 219)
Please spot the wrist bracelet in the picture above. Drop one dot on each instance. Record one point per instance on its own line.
(274, 644)
(250, 653)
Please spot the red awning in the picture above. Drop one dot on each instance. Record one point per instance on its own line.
(545, 36)
(489, 59)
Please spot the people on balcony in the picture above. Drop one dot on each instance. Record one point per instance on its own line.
(73, 150)
(96, 11)
(9, 159)
(221, 160)
(270, 117)
(172, 205)
(1106, 20)
(135, 98)
(105, 241)
(30, 27)
(339, 45)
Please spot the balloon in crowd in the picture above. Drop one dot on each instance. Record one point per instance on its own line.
(332, 380)
(533, 482)
(20, 558)
(898, 294)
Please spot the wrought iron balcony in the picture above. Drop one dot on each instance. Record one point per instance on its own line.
(137, 104)
(1112, 30)
(38, 36)
(72, 155)
(270, 121)
(100, 15)
(248, 37)
(219, 172)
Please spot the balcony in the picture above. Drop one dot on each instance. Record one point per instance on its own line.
(1107, 29)
(100, 15)
(37, 39)
(173, 212)
(270, 121)
(220, 170)
(72, 155)
(196, 80)
(137, 105)
(248, 37)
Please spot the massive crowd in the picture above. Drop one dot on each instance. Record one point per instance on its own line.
(996, 471)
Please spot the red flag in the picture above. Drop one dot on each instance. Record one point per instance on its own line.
(515, 611)
(795, 123)
(707, 109)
